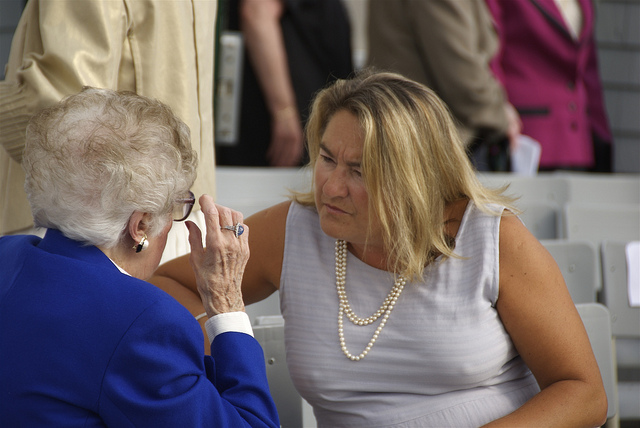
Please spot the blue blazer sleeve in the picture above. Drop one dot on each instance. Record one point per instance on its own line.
(157, 377)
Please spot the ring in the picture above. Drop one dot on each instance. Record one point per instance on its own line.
(237, 230)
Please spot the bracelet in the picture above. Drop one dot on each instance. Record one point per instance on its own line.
(204, 314)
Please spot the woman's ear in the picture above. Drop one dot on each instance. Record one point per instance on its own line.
(138, 226)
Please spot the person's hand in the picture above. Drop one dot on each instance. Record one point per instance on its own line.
(287, 141)
(514, 127)
(219, 266)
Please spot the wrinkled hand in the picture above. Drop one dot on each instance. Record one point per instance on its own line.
(220, 265)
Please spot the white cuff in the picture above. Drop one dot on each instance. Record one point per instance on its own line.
(229, 321)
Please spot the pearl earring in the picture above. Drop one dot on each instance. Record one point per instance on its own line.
(142, 245)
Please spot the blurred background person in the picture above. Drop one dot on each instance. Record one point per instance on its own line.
(293, 49)
(548, 64)
(448, 45)
(84, 340)
(161, 49)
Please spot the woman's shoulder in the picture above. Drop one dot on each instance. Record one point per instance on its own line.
(475, 222)
(485, 211)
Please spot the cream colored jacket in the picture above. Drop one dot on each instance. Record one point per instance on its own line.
(157, 48)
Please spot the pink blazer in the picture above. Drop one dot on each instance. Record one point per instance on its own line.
(551, 78)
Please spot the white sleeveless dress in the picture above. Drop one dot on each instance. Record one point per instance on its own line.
(444, 357)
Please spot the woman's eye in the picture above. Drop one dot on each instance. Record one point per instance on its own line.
(326, 159)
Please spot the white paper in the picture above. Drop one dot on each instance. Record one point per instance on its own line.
(633, 272)
(525, 158)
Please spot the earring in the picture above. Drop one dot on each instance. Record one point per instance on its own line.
(142, 245)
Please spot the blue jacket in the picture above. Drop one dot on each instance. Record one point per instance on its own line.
(82, 344)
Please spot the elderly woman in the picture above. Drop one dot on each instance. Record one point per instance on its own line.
(412, 295)
(84, 340)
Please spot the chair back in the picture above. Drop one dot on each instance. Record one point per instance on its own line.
(597, 322)
(615, 291)
(269, 332)
(579, 263)
(541, 218)
(625, 323)
(599, 222)
(543, 187)
(603, 188)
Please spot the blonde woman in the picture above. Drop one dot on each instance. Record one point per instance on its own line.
(412, 295)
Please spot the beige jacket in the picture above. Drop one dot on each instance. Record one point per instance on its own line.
(446, 45)
(157, 48)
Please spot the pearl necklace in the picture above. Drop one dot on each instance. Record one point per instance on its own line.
(345, 309)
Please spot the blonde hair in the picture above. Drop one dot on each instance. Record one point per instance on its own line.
(97, 156)
(413, 163)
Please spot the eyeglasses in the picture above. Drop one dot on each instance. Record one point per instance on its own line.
(182, 207)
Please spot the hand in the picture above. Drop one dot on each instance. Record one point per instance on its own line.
(287, 141)
(220, 266)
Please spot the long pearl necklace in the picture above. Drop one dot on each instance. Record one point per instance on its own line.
(345, 309)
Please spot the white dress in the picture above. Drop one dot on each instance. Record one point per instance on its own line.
(444, 357)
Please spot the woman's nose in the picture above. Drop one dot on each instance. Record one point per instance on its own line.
(336, 184)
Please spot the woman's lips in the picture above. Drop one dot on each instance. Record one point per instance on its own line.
(333, 209)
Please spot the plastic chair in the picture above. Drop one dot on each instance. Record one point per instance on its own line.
(579, 262)
(597, 322)
(597, 223)
(543, 187)
(603, 188)
(269, 332)
(541, 218)
(267, 307)
(625, 322)
(625, 319)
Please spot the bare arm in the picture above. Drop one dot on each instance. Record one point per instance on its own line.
(260, 22)
(262, 276)
(539, 315)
